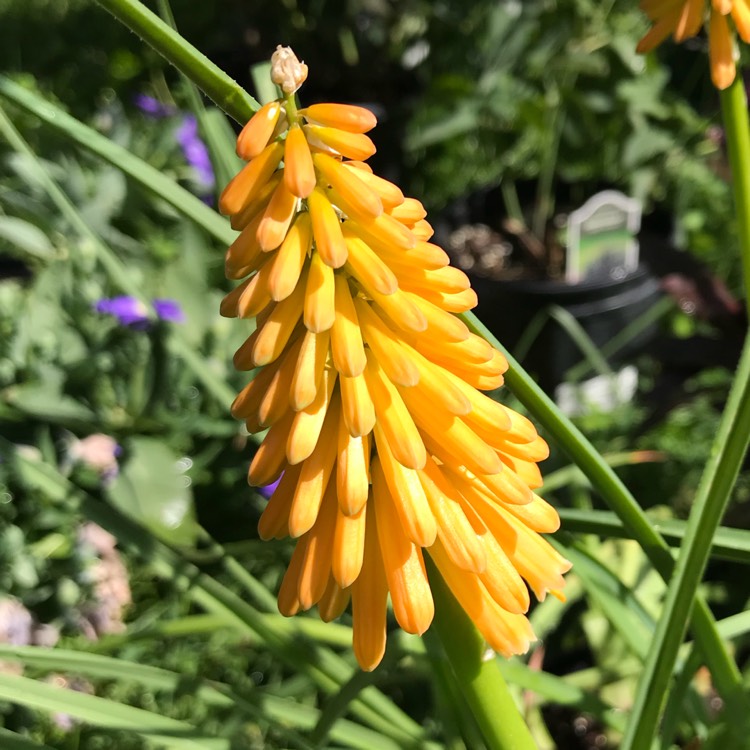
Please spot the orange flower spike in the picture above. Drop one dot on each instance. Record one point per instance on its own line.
(409, 212)
(721, 50)
(415, 513)
(274, 521)
(367, 268)
(256, 134)
(329, 240)
(309, 369)
(299, 172)
(308, 422)
(334, 601)
(342, 116)
(277, 218)
(316, 567)
(351, 145)
(352, 471)
(243, 187)
(404, 567)
(320, 296)
(387, 347)
(370, 600)
(314, 476)
(389, 194)
(347, 349)
(290, 258)
(349, 547)
(398, 426)
(364, 202)
(357, 406)
(690, 21)
(741, 18)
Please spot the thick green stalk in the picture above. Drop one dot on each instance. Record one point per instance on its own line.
(715, 488)
(214, 82)
(479, 678)
(737, 129)
(572, 441)
(714, 492)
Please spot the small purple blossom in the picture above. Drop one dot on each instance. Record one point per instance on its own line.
(169, 310)
(268, 489)
(135, 314)
(152, 107)
(195, 151)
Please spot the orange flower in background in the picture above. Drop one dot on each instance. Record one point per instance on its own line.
(684, 18)
(370, 389)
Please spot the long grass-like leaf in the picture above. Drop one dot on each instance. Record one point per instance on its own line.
(622, 502)
(13, 741)
(177, 735)
(325, 668)
(714, 491)
(727, 543)
(137, 169)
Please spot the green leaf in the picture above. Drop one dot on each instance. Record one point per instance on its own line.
(25, 237)
(169, 733)
(142, 172)
(12, 741)
(44, 401)
(153, 489)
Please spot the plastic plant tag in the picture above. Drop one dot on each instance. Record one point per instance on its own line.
(601, 242)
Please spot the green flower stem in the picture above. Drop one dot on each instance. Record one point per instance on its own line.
(715, 488)
(621, 501)
(479, 679)
(214, 82)
(737, 129)
(714, 492)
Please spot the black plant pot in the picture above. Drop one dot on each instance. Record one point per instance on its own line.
(603, 310)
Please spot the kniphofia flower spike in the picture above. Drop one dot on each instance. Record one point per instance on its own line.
(683, 19)
(370, 389)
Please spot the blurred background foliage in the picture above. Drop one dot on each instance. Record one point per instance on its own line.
(522, 108)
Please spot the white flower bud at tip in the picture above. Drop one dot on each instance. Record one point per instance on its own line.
(286, 70)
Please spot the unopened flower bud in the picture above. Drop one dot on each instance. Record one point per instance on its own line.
(286, 70)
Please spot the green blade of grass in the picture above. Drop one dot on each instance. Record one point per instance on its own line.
(13, 741)
(115, 268)
(137, 169)
(727, 543)
(325, 668)
(714, 491)
(281, 713)
(572, 441)
(101, 712)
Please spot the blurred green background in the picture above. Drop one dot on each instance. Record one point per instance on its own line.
(488, 112)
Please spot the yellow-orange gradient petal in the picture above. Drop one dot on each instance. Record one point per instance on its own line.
(369, 600)
(721, 50)
(347, 349)
(402, 559)
(329, 240)
(343, 116)
(350, 145)
(299, 172)
(250, 180)
(256, 134)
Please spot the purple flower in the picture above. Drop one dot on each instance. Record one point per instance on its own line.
(269, 489)
(133, 313)
(195, 151)
(152, 107)
(169, 310)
